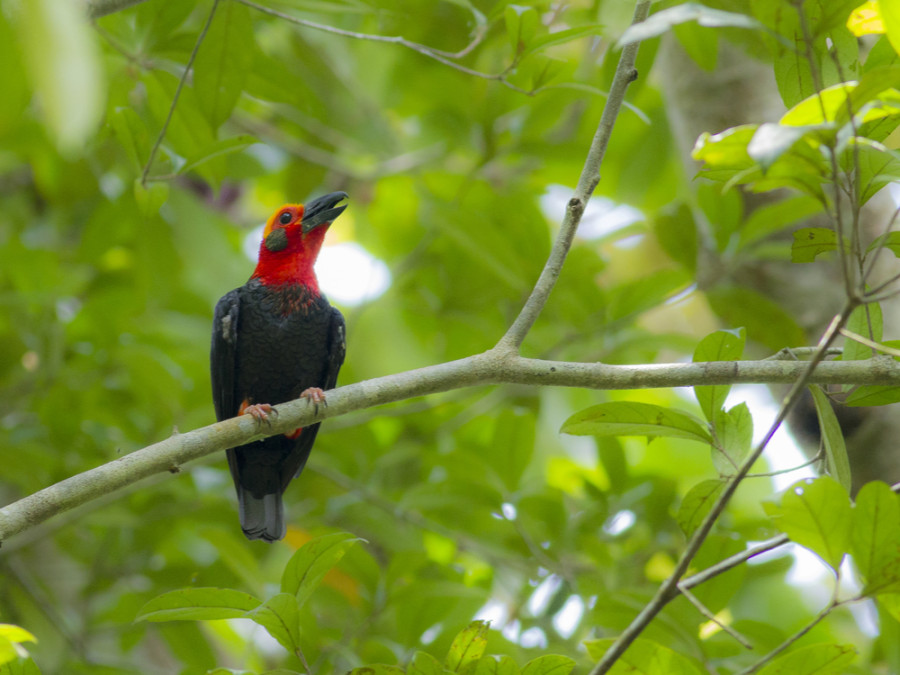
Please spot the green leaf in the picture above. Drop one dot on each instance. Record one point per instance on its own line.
(490, 665)
(833, 438)
(723, 210)
(66, 69)
(19, 665)
(677, 234)
(819, 108)
(793, 74)
(224, 61)
(280, 616)
(628, 418)
(217, 149)
(11, 637)
(197, 604)
(877, 167)
(866, 19)
(662, 21)
(734, 432)
(816, 514)
(701, 44)
(149, 199)
(549, 664)
(697, 503)
(377, 669)
(132, 135)
(424, 663)
(871, 86)
(513, 445)
(812, 241)
(865, 320)
(818, 659)
(771, 141)
(890, 241)
(890, 15)
(15, 88)
(312, 561)
(770, 218)
(189, 132)
(561, 37)
(723, 345)
(644, 657)
(15, 633)
(468, 646)
(764, 320)
(521, 25)
(872, 395)
(875, 536)
(726, 150)
(639, 295)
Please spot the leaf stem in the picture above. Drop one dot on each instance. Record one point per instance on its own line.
(184, 75)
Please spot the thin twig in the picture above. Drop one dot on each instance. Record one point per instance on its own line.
(792, 639)
(794, 353)
(877, 346)
(668, 590)
(881, 245)
(299, 654)
(436, 54)
(184, 76)
(872, 294)
(820, 455)
(700, 607)
(733, 561)
(587, 182)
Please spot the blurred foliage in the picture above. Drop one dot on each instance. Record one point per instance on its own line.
(470, 504)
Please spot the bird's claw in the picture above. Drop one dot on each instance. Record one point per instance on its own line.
(260, 412)
(315, 396)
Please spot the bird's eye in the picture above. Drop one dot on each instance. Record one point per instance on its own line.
(284, 218)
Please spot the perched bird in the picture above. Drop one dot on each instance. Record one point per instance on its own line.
(275, 339)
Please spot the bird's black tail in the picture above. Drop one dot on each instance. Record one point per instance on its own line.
(261, 517)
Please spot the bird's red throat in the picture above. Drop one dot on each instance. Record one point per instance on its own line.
(292, 265)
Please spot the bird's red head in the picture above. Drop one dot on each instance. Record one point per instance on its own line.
(292, 239)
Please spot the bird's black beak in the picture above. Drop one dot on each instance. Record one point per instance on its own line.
(322, 210)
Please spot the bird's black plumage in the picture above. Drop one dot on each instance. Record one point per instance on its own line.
(269, 344)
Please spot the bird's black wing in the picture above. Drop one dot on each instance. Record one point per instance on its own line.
(223, 355)
(337, 348)
(223, 362)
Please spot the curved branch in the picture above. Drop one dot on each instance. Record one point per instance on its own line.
(438, 55)
(587, 182)
(187, 69)
(492, 367)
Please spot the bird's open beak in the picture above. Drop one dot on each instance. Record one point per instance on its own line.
(322, 210)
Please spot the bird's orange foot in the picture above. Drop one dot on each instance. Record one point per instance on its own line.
(259, 411)
(315, 396)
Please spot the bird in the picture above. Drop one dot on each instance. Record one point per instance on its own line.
(275, 339)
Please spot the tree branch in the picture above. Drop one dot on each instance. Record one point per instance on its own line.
(587, 182)
(184, 76)
(491, 367)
